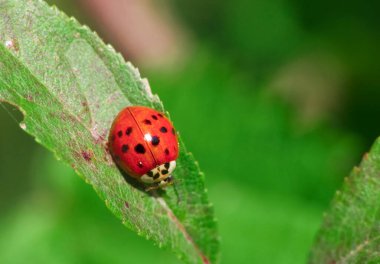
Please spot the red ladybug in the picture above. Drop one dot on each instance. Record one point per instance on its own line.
(143, 142)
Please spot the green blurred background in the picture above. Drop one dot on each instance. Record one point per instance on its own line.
(277, 100)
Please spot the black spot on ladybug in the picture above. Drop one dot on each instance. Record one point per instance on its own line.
(128, 131)
(154, 117)
(167, 165)
(163, 129)
(173, 131)
(164, 172)
(166, 151)
(160, 115)
(147, 122)
(113, 138)
(139, 148)
(120, 133)
(155, 141)
(150, 173)
(156, 176)
(140, 164)
(117, 157)
(124, 148)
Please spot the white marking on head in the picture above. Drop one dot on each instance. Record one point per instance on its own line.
(172, 166)
(145, 178)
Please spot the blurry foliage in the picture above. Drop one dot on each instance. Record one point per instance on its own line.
(270, 178)
(15, 149)
(257, 35)
(262, 36)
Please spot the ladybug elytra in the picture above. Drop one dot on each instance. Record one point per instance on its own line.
(143, 142)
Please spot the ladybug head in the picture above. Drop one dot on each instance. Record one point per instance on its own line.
(160, 176)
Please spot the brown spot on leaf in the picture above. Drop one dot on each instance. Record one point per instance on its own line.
(12, 44)
(29, 97)
(87, 155)
(99, 139)
(205, 260)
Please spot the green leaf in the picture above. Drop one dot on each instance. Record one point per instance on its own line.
(70, 85)
(350, 232)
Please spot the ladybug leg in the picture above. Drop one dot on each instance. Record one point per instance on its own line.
(151, 188)
(166, 182)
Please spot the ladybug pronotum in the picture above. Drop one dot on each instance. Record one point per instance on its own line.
(143, 143)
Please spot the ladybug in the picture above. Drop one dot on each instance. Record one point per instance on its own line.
(144, 143)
